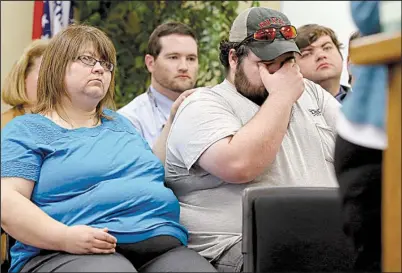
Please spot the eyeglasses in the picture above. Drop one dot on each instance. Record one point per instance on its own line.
(270, 34)
(92, 62)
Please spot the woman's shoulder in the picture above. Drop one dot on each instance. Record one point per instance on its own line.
(33, 126)
(109, 112)
(27, 119)
(119, 122)
(117, 119)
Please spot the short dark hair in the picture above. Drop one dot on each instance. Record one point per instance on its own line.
(308, 34)
(224, 48)
(154, 46)
(353, 36)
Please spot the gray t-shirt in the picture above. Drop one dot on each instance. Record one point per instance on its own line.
(211, 209)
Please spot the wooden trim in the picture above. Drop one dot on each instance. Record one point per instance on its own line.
(391, 184)
(4, 248)
(385, 49)
(382, 48)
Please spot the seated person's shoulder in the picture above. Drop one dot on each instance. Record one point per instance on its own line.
(111, 113)
(34, 126)
(136, 105)
(205, 91)
(116, 118)
(312, 89)
(315, 90)
(201, 102)
(26, 121)
(137, 111)
(311, 86)
(202, 94)
(119, 121)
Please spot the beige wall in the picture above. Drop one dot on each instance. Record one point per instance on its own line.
(16, 33)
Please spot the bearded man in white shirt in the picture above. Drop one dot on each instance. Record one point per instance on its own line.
(263, 125)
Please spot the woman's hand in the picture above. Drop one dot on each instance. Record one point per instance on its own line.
(86, 240)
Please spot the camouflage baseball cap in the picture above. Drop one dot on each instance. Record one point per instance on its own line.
(255, 18)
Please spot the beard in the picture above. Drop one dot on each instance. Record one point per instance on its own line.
(174, 84)
(257, 94)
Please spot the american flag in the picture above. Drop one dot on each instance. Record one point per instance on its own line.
(50, 17)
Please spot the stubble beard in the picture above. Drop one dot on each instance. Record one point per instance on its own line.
(174, 86)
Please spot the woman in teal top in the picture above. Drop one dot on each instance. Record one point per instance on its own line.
(78, 179)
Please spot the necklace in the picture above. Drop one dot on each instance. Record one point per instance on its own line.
(67, 125)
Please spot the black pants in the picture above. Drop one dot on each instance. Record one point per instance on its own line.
(157, 254)
(359, 171)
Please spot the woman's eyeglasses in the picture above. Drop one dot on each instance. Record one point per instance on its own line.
(89, 60)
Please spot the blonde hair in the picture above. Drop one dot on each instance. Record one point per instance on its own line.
(13, 92)
(62, 50)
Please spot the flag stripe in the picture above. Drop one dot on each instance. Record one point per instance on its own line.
(50, 17)
(37, 20)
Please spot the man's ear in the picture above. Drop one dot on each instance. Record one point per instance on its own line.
(150, 62)
(233, 59)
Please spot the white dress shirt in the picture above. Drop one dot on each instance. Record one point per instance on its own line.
(148, 113)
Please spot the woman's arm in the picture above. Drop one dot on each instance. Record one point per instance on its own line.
(25, 221)
(28, 224)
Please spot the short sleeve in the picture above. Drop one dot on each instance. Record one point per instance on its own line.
(200, 123)
(20, 155)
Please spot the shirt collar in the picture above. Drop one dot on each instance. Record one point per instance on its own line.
(343, 91)
(164, 103)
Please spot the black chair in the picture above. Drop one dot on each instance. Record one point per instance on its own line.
(294, 229)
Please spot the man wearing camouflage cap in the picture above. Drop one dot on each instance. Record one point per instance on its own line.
(263, 125)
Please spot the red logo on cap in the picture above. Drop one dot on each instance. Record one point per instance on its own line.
(271, 21)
